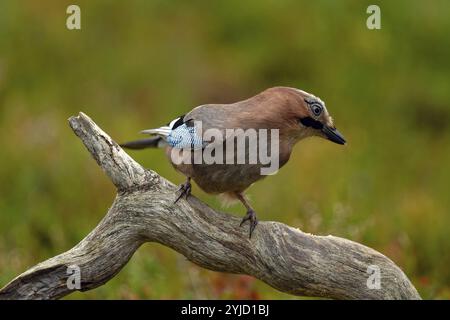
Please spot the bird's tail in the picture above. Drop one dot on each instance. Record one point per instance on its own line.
(155, 142)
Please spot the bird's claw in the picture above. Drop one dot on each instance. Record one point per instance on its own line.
(251, 216)
(185, 189)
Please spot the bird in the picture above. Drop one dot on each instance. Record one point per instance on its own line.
(294, 114)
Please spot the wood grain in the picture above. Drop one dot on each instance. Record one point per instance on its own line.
(143, 211)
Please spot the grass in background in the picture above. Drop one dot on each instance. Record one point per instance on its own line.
(139, 64)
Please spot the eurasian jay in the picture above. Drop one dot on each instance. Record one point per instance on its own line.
(293, 113)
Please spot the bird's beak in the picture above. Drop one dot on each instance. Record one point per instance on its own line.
(333, 135)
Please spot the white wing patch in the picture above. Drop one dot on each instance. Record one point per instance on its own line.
(165, 131)
(172, 123)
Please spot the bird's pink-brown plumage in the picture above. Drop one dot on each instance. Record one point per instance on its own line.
(296, 115)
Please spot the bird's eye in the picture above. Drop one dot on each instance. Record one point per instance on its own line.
(316, 109)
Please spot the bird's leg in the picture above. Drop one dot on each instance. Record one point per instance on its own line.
(251, 214)
(185, 189)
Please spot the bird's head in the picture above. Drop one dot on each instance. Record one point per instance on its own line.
(308, 116)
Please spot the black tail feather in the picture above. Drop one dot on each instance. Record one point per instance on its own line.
(142, 143)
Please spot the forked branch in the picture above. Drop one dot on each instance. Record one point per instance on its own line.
(144, 211)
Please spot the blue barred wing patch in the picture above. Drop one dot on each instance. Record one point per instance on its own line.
(184, 137)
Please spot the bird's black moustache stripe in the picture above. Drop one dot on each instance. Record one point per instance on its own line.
(310, 122)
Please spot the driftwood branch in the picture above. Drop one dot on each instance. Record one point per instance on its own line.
(144, 211)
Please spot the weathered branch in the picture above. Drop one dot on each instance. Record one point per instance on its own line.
(144, 211)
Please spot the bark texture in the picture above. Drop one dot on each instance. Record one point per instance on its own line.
(144, 211)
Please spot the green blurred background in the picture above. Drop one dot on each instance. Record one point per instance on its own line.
(138, 64)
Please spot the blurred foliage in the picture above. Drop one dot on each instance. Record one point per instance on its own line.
(139, 63)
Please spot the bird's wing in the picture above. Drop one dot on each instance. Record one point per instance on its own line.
(178, 134)
(212, 118)
(187, 131)
(164, 131)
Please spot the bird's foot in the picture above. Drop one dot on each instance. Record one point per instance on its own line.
(185, 189)
(251, 216)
